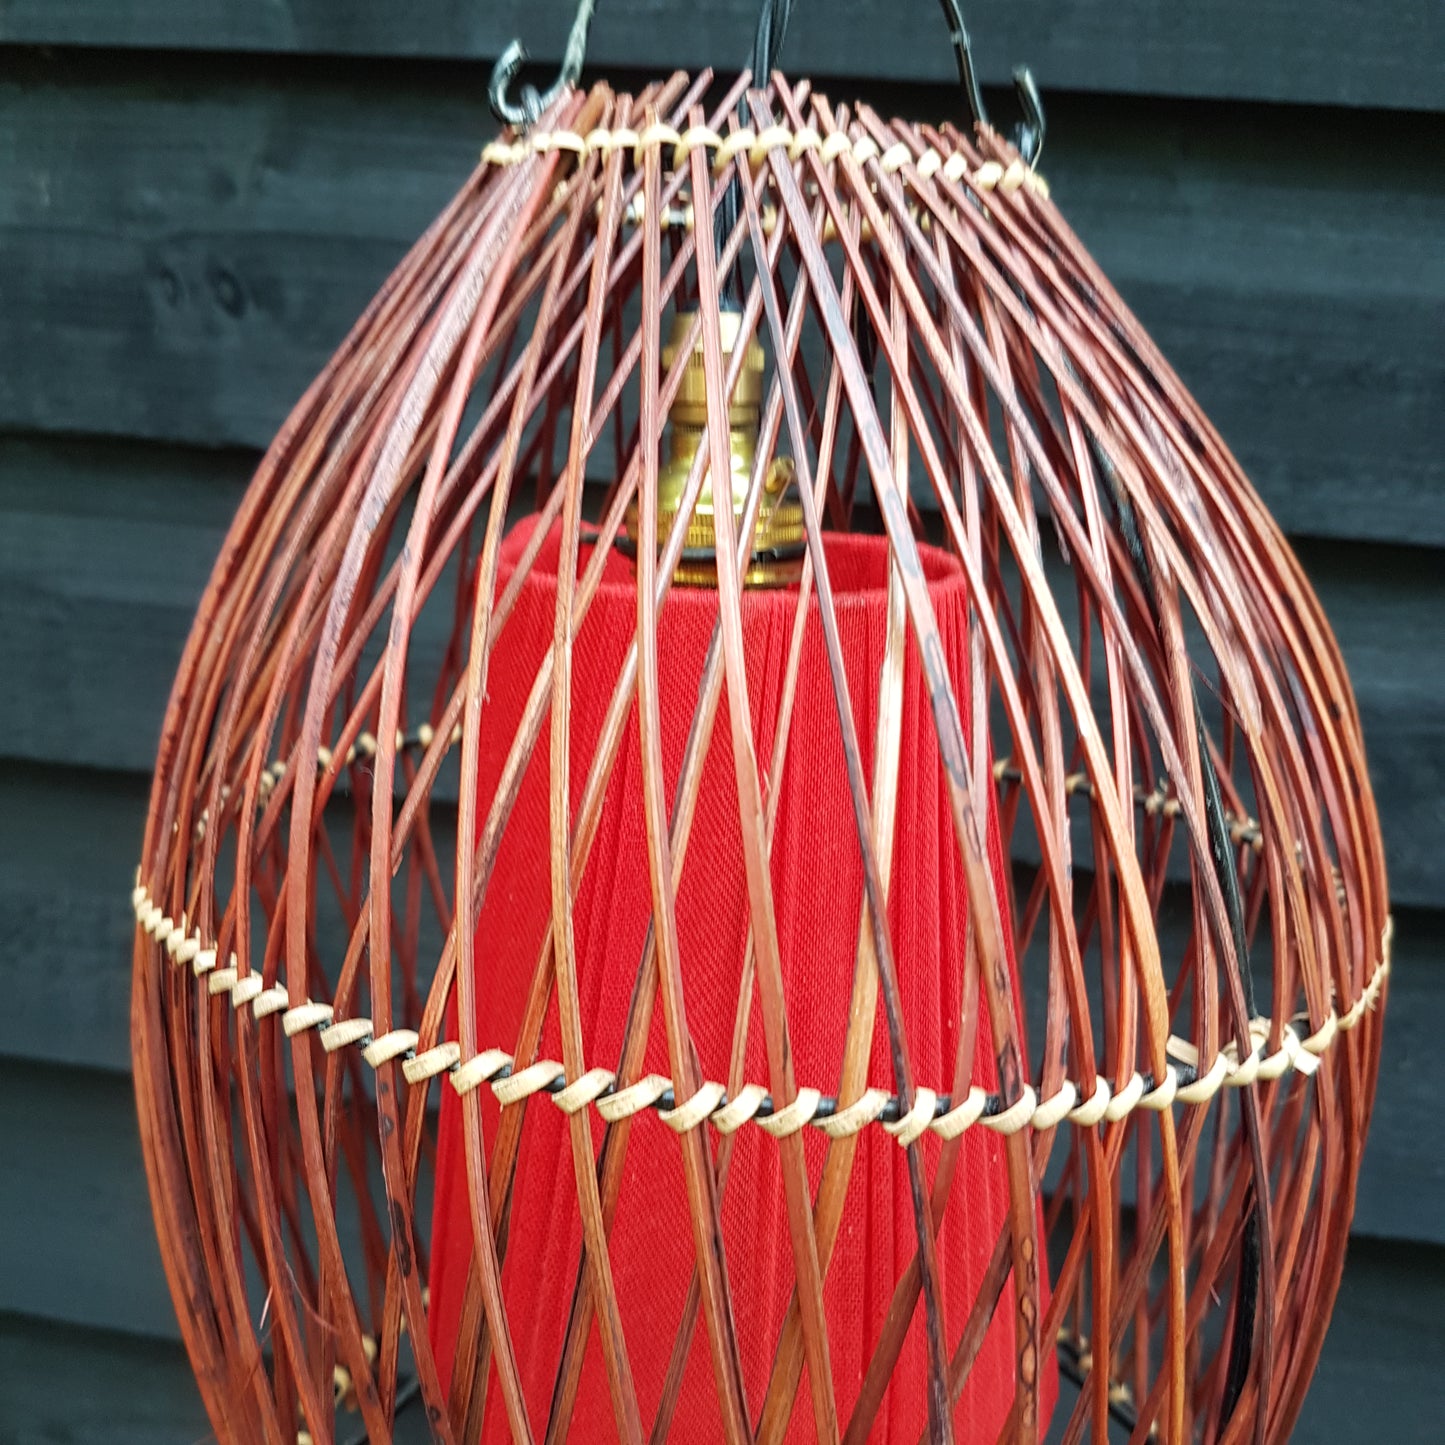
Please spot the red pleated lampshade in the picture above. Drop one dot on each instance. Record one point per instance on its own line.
(816, 878)
(758, 837)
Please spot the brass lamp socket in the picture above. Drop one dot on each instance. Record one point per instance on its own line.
(778, 539)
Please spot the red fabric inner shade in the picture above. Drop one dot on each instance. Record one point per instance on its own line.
(817, 881)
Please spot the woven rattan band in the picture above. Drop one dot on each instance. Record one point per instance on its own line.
(1183, 1082)
(757, 146)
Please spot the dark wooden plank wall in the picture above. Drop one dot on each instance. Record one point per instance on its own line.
(196, 198)
(1335, 52)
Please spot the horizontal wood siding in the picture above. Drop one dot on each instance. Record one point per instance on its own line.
(1333, 52)
(182, 253)
(1375, 1380)
(65, 1025)
(135, 1391)
(104, 550)
(198, 196)
(77, 1187)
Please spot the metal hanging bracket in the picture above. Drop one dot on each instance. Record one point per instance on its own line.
(524, 111)
(1028, 134)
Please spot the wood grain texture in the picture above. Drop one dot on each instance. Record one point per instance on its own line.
(97, 1264)
(104, 550)
(93, 1387)
(184, 244)
(101, 1387)
(101, 1266)
(70, 838)
(1334, 52)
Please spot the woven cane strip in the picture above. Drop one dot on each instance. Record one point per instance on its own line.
(1183, 1083)
(679, 145)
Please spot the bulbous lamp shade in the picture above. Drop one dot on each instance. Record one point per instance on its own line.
(758, 836)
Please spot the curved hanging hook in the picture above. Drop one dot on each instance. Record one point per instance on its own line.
(524, 112)
(1028, 134)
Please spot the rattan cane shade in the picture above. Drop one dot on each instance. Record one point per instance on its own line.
(1156, 707)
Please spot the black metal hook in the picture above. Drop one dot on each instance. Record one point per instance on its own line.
(963, 56)
(1028, 134)
(524, 112)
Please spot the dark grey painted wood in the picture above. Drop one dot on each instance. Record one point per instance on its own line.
(1334, 52)
(66, 925)
(101, 564)
(61, 1385)
(1376, 1379)
(78, 1245)
(97, 608)
(186, 282)
(65, 937)
(184, 243)
(1385, 606)
(70, 840)
(93, 1387)
(78, 1248)
(1402, 1185)
(104, 552)
(1264, 295)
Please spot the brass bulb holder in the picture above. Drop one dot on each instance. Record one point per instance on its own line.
(778, 538)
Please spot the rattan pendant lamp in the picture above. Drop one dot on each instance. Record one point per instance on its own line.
(758, 836)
